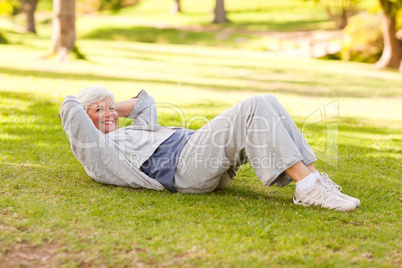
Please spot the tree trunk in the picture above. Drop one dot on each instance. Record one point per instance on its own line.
(220, 12)
(63, 35)
(392, 53)
(339, 15)
(176, 8)
(29, 7)
(343, 19)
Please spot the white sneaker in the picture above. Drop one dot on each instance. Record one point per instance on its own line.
(337, 189)
(321, 195)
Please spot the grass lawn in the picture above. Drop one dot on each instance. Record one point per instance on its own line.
(250, 23)
(53, 215)
(252, 15)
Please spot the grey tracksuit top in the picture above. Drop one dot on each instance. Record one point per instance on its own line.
(115, 157)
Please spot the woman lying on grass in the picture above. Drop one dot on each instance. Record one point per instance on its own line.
(258, 130)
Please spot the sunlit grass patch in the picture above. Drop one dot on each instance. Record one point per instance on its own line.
(145, 34)
(253, 15)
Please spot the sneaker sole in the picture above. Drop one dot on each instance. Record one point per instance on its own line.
(347, 209)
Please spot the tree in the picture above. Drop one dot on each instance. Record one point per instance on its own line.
(339, 11)
(89, 6)
(392, 53)
(29, 7)
(10, 7)
(176, 7)
(14, 7)
(63, 34)
(220, 12)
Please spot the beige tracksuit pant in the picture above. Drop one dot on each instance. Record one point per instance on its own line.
(258, 131)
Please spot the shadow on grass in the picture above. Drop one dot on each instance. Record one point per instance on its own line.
(3, 39)
(240, 189)
(45, 147)
(146, 34)
(374, 143)
(30, 128)
(288, 26)
(284, 86)
(354, 125)
(83, 76)
(36, 105)
(358, 125)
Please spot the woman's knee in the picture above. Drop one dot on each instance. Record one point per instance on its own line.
(255, 100)
(262, 101)
(271, 98)
(263, 98)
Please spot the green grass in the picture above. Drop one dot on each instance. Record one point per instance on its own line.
(251, 24)
(53, 214)
(254, 24)
(151, 22)
(256, 15)
(3, 40)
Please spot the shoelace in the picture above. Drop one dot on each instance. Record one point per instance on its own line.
(326, 187)
(330, 183)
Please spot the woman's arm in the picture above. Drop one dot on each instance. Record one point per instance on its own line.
(124, 108)
(144, 112)
(97, 153)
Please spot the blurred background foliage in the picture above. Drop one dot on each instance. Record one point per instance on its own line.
(363, 39)
(12, 7)
(339, 11)
(83, 6)
(3, 40)
(250, 23)
(89, 6)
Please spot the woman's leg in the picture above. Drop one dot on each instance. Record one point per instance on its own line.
(305, 183)
(291, 128)
(257, 130)
(298, 172)
(312, 168)
(251, 131)
(311, 189)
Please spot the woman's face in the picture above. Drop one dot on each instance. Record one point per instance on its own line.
(103, 114)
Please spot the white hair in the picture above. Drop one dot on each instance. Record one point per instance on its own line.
(90, 95)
